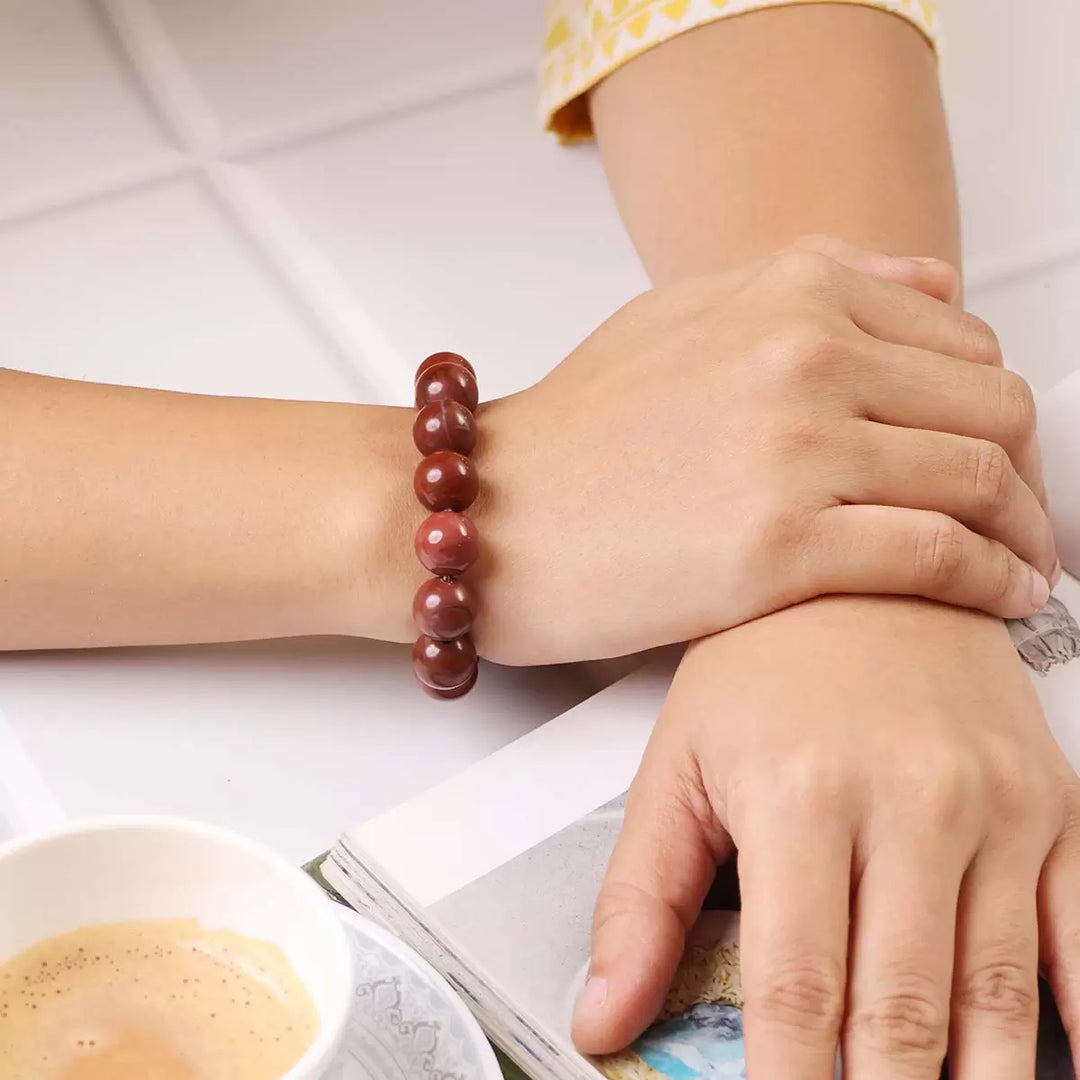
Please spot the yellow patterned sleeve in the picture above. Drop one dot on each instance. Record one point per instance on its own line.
(588, 39)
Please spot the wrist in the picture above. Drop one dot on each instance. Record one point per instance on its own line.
(373, 516)
(507, 517)
(909, 622)
(907, 614)
(371, 522)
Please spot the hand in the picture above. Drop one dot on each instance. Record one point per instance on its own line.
(882, 756)
(732, 445)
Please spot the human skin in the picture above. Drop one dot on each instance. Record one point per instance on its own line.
(138, 516)
(905, 824)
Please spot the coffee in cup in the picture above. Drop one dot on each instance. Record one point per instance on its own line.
(161, 949)
(163, 999)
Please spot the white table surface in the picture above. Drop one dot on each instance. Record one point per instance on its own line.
(294, 200)
(287, 741)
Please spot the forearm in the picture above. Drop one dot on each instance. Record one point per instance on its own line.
(734, 139)
(137, 516)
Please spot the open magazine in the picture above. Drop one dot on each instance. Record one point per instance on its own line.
(491, 877)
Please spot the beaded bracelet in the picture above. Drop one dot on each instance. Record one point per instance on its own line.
(446, 483)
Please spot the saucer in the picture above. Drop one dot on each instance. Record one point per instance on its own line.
(407, 1023)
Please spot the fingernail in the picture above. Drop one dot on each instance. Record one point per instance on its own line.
(593, 997)
(1055, 574)
(924, 259)
(1040, 590)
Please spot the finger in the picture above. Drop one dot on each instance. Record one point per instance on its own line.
(904, 552)
(795, 883)
(659, 873)
(1059, 929)
(967, 479)
(934, 277)
(901, 958)
(917, 389)
(995, 1004)
(901, 316)
(886, 298)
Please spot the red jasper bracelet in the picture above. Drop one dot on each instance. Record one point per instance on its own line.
(446, 483)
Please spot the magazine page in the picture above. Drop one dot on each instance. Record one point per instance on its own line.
(526, 924)
(502, 806)
(489, 842)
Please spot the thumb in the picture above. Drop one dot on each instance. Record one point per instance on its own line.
(935, 277)
(660, 871)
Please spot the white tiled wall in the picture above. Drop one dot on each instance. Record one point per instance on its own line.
(71, 119)
(1012, 85)
(266, 66)
(471, 229)
(158, 287)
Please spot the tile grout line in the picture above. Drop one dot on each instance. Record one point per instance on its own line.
(313, 281)
(398, 102)
(310, 280)
(154, 70)
(15, 213)
(394, 103)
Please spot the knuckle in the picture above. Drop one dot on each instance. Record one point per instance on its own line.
(806, 349)
(1016, 798)
(1000, 579)
(622, 903)
(940, 553)
(1018, 789)
(811, 782)
(802, 440)
(987, 470)
(908, 1022)
(1002, 989)
(979, 341)
(942, 784)
(1018, 404)
(806, 995)
(802, 266)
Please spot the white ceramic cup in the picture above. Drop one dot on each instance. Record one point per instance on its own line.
(120, 869)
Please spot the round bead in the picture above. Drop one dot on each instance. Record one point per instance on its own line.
(458, 691)
(447, 543)
(444, 425)
(446, 481)
(443, 358)
(442, 666)
(443, 609)
(447, 382)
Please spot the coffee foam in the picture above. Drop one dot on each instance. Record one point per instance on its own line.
(152, 1000)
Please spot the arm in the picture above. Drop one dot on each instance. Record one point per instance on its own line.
(734, 139)
(843, 747)
(140, 516)
(137, 516)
